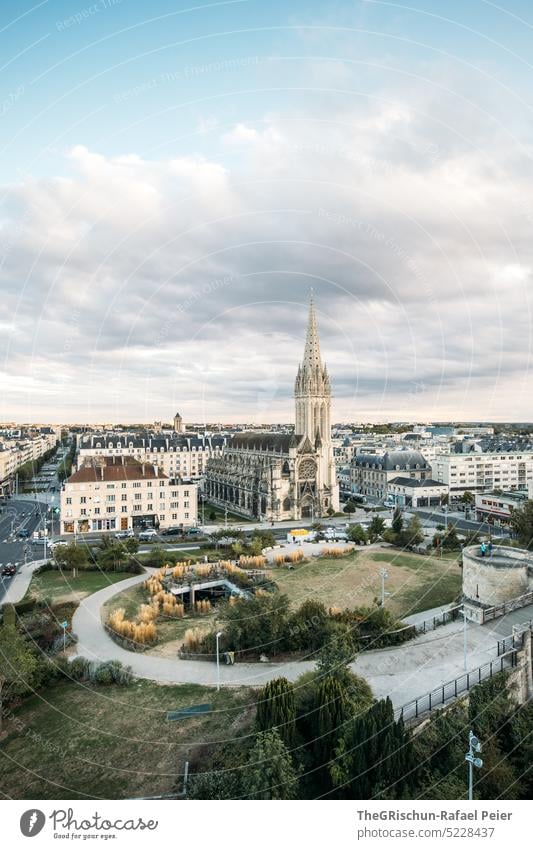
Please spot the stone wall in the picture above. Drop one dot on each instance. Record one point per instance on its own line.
(488, 581)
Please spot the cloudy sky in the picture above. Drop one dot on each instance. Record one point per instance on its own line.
(175, 177)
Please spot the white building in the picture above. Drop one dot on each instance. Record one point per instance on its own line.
(482, 472)
(120, 493)
(497, 507)
(407, 492)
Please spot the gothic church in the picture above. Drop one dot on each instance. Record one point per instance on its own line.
(276, 476)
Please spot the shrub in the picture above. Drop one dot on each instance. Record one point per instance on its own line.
(78, 668)
(102, 674)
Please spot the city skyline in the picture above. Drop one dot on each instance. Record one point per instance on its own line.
(162, 221)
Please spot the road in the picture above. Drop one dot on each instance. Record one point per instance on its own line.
(26, 511)
(16, 515)
(436, 517)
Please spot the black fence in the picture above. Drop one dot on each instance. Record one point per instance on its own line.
(450, 691)
(442, 619)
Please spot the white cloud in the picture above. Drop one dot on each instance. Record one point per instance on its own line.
(143, 285)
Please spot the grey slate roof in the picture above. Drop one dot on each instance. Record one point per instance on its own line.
(391, 459)
(416, 483)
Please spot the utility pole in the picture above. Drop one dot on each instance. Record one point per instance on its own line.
(473, 746)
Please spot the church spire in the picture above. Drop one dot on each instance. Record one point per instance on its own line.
(312, 359)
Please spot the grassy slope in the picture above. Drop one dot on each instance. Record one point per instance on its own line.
(78, 741)
(55, 585)
(416, 582)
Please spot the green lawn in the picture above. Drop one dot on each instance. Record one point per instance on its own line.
(55, 585)
(233, 518)
(75, 741)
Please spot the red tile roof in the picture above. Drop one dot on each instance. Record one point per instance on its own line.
(115, 469)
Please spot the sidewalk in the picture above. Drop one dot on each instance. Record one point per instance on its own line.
(19, 585)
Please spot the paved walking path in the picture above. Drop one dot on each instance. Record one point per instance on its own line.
(19, 584)
(403, 672)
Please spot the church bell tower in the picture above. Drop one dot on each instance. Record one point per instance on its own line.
(312, 394)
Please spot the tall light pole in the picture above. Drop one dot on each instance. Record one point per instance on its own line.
(473, 746)
(384, 574)
(218, 636)
(465, 646)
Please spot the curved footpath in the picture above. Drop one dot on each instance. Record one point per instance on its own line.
(403, 672)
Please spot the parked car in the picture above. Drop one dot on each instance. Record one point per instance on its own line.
(191, 532)
(172, 532)
(9, 570)
(124, 534)
(148, 534)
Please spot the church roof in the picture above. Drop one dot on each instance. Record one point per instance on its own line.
(278, 442)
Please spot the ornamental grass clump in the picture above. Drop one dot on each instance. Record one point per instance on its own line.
(257, 561)
(142, 633)
(337, 552)
(203, 606)
(193, 639)
(294, 556)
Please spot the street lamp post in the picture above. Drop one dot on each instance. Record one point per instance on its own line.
(218, 636)
(384, 574)
(465, 644)
(473, 746)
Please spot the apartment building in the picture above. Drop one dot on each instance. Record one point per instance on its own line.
(482, 472)
(372, 473)
(18, 447)
(177, 455)
(122, 493)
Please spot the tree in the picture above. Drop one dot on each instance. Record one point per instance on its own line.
(333, 708)
(70, 556)
(258, 624)
(413, 534)
(349, 507)
(131, 545)
(335, 655)
(376, 528)
(17, 664)
(212, 516)
(357, 534)
(467, 497)
(397, 521)
(522, 524)
(270, 772)
(276, 708)
(309, 626)
(374, 754)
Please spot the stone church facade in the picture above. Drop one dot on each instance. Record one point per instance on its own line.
(274, 476)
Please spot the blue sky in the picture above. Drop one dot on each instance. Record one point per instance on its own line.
(377, 151)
